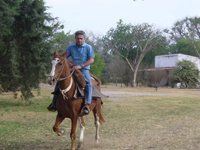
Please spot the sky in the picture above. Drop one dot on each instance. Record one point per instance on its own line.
(98, 16)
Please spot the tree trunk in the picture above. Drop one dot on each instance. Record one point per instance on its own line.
(135, 75)
(26, 93)
(136, 70)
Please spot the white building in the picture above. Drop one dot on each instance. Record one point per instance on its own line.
(171, 60)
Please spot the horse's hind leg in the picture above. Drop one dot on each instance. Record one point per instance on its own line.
(97, 125)
(58, 121)
(73, 131)
(82, 129)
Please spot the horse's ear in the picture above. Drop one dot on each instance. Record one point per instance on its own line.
(56, 54)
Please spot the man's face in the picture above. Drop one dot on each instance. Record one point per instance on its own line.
(80, 39)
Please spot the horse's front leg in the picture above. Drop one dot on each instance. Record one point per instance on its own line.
(73, 132)
(82, 129)
(58, 121)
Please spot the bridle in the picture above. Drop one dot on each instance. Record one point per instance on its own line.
(64, 91)
(68, 76)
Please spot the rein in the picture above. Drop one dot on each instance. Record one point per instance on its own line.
(64, 91)
(61, 79)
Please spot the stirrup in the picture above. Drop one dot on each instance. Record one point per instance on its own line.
(85, 110)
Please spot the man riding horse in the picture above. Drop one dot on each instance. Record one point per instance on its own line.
(82, 56)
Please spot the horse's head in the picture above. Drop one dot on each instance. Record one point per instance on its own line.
(58, 69)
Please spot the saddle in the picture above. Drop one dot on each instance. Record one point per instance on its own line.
(81, 84)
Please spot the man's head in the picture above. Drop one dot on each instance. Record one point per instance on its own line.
(80, 37)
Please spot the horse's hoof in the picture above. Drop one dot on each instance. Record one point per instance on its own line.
(60, 132)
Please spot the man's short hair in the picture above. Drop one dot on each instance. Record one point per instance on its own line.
(79, 32)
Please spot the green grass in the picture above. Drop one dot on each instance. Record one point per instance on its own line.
(22, 123)
(132, 122)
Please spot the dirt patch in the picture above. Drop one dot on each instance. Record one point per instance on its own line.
(123, 94)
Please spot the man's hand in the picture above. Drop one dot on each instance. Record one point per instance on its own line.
(78, 67)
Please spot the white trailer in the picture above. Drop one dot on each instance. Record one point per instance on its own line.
(171, 60)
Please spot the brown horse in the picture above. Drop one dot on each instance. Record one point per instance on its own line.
(68, 106)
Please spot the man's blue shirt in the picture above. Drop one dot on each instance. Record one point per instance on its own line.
(80, 54)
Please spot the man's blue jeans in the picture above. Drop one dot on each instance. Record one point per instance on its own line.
(88, 96)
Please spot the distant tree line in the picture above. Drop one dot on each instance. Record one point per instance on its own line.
(129, 48)
(29, 35)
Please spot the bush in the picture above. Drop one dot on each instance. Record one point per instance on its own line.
(187, 74)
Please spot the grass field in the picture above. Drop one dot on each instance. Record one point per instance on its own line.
(136, 119)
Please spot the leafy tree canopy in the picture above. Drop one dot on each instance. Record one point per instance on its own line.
(25, 50)
(187, 73)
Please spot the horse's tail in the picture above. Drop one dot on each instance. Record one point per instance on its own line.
(99, 113)
(101, 118)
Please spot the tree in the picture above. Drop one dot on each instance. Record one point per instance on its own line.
(60, 41)
(28, 30)
(183, 46)
(132, 43)
(187, 74)
(8, 67)
(31, 35)
(149, 59)
(118, 70)
(98, 66)
(187, 29)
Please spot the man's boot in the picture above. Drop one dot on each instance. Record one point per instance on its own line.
(56, 93)
(52, 106)
(85, 110)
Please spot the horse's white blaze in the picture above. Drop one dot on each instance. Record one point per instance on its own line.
(82, 130)
(54, 63)
(97, 125)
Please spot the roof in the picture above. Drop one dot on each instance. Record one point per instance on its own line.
(158, 69)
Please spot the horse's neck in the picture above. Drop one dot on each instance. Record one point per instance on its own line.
(68, 87)
(64, 83)
(66, 73)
